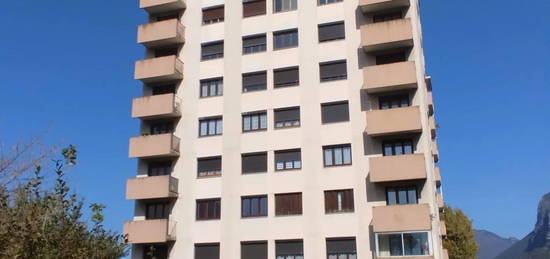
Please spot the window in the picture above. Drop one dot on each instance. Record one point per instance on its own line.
(387, 16)
(159, 210)
(287, 117)
(288, 204)
(210, 127)
(211, 87)
(164, 89)
(393, 101)
(254, 121)
(403, 244)
(332, 31)
(208, 209)
(254, 250)
(212, 15)
(288, 159)
(324, 2)
(254, 163)
(166, 52)
(401, 195)
(283, 77)
(285, 39)
(254, 206)
(253, 7)
(334, 70)
(254, 44)
(383, 59)
(255, 81)
(165, 127)
(341, 248)
(155, 251)
(339, 201)
(207, 251)
(337, 155)
(334, 112)
(285, 5)
(398, 147)
(212, 50)
(289, 249)
(159, 168)
(211, 166)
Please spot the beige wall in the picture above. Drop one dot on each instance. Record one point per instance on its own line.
(313, 226)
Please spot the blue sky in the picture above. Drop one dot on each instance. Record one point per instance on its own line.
(67, 68)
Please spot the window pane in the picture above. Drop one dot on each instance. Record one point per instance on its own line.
(211, 127)
(263, 207)
(391, 196)
(255, 122)
(398, 148)
(203, 128)
(246, 123)
(328, 156)
(416, 243)
(220, 88)
(263, 121)
(337, 156)
(402, 196)
(408, 149)
(219, 127)
(388, 151)
(412, 196)
(347, 155)
(396, 248)
(246, 207)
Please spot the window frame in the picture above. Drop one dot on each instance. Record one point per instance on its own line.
(338, 254)
(245, 2)
(217, 55)
(212, 21)
(250, 155)
(254, 36)
(281, 32)
(327, 3)
(295, 123)
(216, 202)
(260, 198)
(324, 119)
(284, 10)
(337, 210)
(207, 81)
(391, 98)
(377, 243)
(286, 84)
(217, 173)
(163, 207)
(333, 78)
(393, 143)
(262, 87)
(319, 26)
(251, 115)
(278, 254)
(160, 168)
(217, 132)
(258, 242)
(400, 188)
(285, 162)
(333, 155)
(299, 210)
(215, 245)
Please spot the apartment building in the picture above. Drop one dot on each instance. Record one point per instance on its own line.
(284, 129)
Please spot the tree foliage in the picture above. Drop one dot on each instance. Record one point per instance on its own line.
(460, 240)
(41, 222)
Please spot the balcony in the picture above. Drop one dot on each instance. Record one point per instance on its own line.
(398, 218)
(153, 187)
(163, 145)
(430, 103)
(437, 176)
(161, 6)
(435, 150)
(397, 168)
(372, 6)
(386, 35)
(442, 228)
(439, 199)
(158, 34)
(156, 107)
(159, 69)
(390, 77)
(150, 231)
(394, 121)
(433, 126)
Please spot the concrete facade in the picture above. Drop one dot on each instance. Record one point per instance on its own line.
(180, 231)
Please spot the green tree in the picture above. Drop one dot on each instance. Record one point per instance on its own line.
(460, 240)
(44, 221)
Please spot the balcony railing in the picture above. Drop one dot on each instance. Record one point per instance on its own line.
(397, 168)
(398, 218)
(150, 231)
(156, 106)
(163, 145)
(394, 121)
(163, 33)
(390, 77)
(159, 69)
(372, 6)
(161, 6)
(386, 35)
(153, 187)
